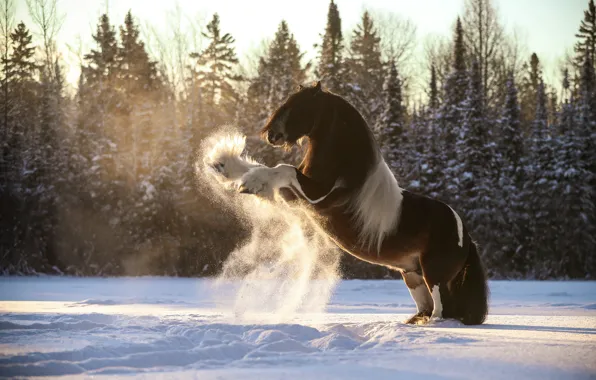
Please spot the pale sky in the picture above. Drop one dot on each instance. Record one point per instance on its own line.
(547, 26)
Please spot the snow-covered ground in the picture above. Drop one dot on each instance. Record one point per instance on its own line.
(180, 328)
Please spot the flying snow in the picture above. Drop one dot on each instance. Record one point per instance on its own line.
(286, 265)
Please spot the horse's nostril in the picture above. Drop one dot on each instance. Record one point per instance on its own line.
(273, 137)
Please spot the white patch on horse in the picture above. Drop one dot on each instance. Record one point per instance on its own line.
(460, 228)
(438, 306)
(377, 206)
(422, 297)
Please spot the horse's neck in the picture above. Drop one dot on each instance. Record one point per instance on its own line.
(340, 145)
(321, 161)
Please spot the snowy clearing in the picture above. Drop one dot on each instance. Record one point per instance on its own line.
(181, 328)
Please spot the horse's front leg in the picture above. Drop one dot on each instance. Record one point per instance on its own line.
(263, 181)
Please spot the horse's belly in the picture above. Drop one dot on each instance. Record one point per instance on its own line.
(345, 236)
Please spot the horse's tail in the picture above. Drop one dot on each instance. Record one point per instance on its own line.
(470, 291)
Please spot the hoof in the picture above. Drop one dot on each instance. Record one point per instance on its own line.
(420, 318)
(244, 190)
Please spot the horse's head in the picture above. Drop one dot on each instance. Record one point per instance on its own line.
(295, 118)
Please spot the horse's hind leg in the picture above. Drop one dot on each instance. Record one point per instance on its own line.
(420, 294)
(439, 268)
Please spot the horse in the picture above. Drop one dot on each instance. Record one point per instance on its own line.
(356, 201)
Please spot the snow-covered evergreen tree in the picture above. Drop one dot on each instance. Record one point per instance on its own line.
(585, 48)
(450, 116)
(541, 181)
(433, 94)
(214, 71)
(330, 68)
(279, 73)
(283, 66)
(529, 89)
(474, 173)
(366, 73)
(390, 124)
(511, 216)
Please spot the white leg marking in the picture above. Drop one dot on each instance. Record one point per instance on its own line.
(263, 180)
(438, 306)
(460, 228)
(422, 298)
(224, 158)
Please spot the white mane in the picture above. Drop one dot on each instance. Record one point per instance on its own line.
(377, 205)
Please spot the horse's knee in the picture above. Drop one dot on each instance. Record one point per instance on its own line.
(419, 292)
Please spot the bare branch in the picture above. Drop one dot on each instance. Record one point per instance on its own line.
(398, 36)
(6, 24)
(45, 16)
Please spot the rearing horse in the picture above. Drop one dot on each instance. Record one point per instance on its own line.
(360, 206)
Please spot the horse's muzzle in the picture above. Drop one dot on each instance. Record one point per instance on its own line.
(275, 138)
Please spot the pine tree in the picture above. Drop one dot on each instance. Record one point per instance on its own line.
(454, 89)
(390, 125)
(450, 116)
(22, 70)
(473, 174)
(101, 105)
(567, 114)
(214, 73)
(29, 143)
(513, 242)
(331, 65)
(52, 170)
(575, 238)
(283, 66)
(21, 65)
(586, 46)
(586, 160)
(541, 259)
(433, 96)
(511, 147)
(432, 166)
(366, 69)
(473, 136)
(529, 89)
(102, 67)
(279, 72)
(139, 84)
(136, 71)
(587, 95)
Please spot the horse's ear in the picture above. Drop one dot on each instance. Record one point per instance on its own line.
(318, 87)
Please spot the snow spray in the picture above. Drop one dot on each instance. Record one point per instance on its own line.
(287, 265)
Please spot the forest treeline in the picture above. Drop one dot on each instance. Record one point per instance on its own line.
(101, 181)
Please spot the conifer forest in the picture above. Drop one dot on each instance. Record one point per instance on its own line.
(100, 180)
